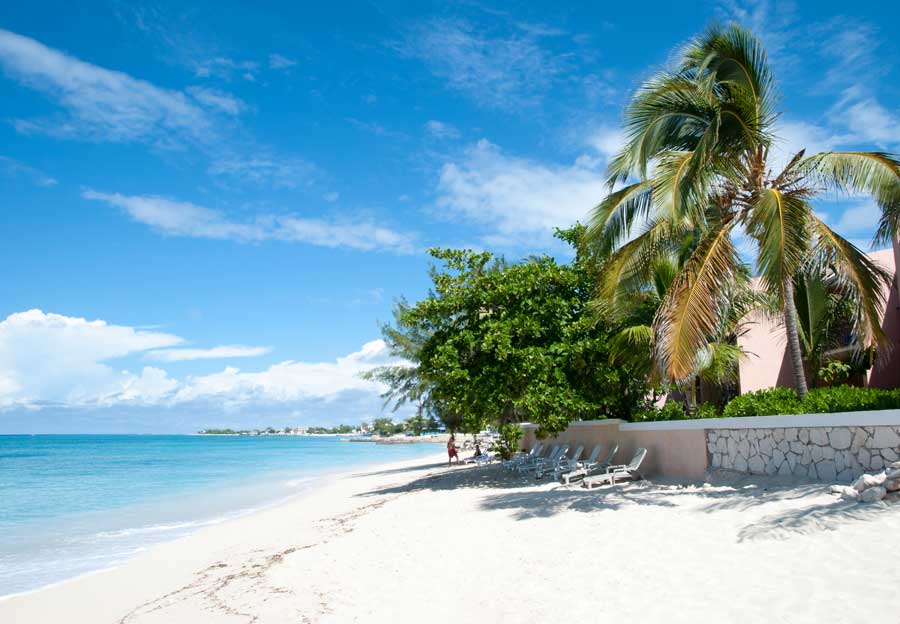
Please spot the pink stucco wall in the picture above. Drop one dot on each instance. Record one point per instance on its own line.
(766, 364)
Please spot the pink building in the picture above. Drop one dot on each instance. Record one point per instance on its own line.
(767, 363)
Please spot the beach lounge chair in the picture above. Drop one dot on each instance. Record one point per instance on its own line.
(563, 464)
(576, 462)
(484, 458)
(631, 470)
(535, 451)
(544, 464)
(531, 462)
(592, 465)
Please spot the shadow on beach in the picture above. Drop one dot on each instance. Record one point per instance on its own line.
(527, 498)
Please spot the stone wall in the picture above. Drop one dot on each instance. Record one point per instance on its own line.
(822, 453)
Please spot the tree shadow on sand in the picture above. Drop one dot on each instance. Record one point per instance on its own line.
(527, 498)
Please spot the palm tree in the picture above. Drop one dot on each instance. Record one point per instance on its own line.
(697, 163)
(717, 362)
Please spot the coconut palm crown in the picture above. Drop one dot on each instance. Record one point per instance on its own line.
(696, 166)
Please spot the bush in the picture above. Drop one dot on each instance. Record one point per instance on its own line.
(507, 444)
(672, 410)
(708, 410)
(818, 401)
(764, 403)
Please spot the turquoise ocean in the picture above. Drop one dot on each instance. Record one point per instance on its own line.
(74, 504)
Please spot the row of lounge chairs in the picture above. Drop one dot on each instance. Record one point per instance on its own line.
(593, 471)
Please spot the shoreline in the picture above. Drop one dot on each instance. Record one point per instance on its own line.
(53, 550)
(414, 541)
(27, 604)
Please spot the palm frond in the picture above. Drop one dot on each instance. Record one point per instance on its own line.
(856, 276)
(778, 223)
(612, 220)
(689, 313)
(873, 173)
(733, 59)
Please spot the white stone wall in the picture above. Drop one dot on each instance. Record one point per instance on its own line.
(820, 453)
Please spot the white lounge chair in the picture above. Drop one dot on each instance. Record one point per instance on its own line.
(546, 464)
(578, 464)
(531, 462)
(563, 464)
(631, 470)
(535, 451)
(592, 464)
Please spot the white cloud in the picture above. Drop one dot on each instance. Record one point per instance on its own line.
(186, 219)
(13, 168)
(331, 197)
(100, 104)
(517, 198)
(866, 119)
(289, 381)
(859, 218)
(220, 100)
(607, 141)
(374, 127)
(214, 353)
(224, 67)
(441, 130)
(52, 360)
(278, 61)
(497, 72)
(264, 169)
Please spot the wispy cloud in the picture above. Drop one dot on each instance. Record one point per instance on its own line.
(14, 168)
(278, 61)
(506, 71)
(216, 99)
(264, 168)
(213, 353)
(519, 201)
(373, 127)
(100, 104)
(176, 218)
(441, 129)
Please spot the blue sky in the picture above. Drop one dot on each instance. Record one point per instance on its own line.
(207, 207)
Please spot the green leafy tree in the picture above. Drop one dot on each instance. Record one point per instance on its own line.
(696, 163)
(384, 426)
(503, 343)
(416, 424)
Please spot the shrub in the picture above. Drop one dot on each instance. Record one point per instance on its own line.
(708, 410)
(849, 399)
(834, 372)
(507, 444)
(764, 403)
(818, 401)
(672, 410)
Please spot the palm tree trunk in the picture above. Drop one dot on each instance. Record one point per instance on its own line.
(793, 339)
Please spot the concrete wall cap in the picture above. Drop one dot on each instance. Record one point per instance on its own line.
(838, 419)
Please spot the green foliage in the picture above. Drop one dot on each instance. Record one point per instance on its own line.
(764, 403)
(850, 399)
(708, 410)
(386, 427)
(834, 372)
(696, 161)
(507, 444)
(500, 343)
(416, 424)
(672, 410)
(819, 400)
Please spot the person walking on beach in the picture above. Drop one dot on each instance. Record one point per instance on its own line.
(451, 450)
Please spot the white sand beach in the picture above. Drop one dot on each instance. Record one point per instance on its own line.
(417, 542)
